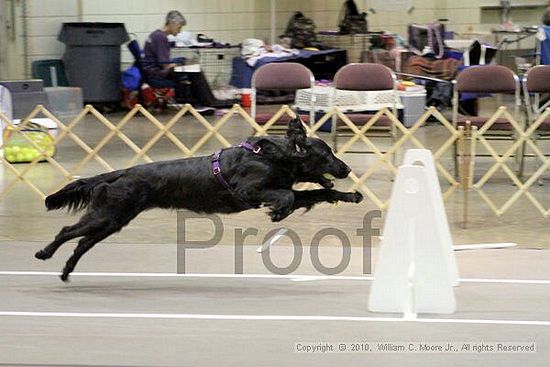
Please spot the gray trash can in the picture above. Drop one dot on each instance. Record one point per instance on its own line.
(92, 59)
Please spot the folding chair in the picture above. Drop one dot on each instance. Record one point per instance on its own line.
(484, 81)
(161, 90)
(536, 81)
(366, 77)
(281, 76)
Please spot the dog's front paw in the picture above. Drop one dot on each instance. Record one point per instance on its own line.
(353, 197)
(279, 214)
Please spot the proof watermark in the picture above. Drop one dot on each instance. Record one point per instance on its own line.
(363, 235)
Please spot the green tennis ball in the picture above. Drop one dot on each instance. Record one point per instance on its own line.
(15, 149)
(8, 150)
(10, 157)
(19, 157)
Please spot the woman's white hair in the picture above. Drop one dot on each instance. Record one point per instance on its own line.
(175, 17)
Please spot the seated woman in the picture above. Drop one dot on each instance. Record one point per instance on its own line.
(158, 67)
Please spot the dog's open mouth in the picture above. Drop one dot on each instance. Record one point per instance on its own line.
(327, 180)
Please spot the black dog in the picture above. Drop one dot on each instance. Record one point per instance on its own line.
(260, 172)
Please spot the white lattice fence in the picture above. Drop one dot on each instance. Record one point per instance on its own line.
(383, 159)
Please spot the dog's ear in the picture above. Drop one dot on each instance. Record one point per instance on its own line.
(296, 134)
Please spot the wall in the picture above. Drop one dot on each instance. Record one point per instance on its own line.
(12, 29)
(481, 16)
(3, 41)
(325, 14)
(43, 21)
(226, 21)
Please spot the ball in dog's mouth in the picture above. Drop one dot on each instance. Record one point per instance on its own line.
(327, 180)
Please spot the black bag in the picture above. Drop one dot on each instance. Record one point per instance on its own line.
(301, 30)
(350, 20)
(479, 54)
(427, 38)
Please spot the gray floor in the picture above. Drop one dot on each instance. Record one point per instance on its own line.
(186, 321)
(168, 320)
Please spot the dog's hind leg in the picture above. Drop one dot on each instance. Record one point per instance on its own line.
(104, 206)
(88, 223)
(84, 245)
(101, 229)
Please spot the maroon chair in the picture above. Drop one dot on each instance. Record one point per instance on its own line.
(366, 77)
(535, 82)
(485, 80)
(488, 81)
(281, 76)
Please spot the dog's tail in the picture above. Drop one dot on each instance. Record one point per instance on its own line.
(78, 194)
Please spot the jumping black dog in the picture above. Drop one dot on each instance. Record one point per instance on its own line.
(260, 172)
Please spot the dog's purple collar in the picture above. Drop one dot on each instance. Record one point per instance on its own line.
(256, 149)
(216, 169)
